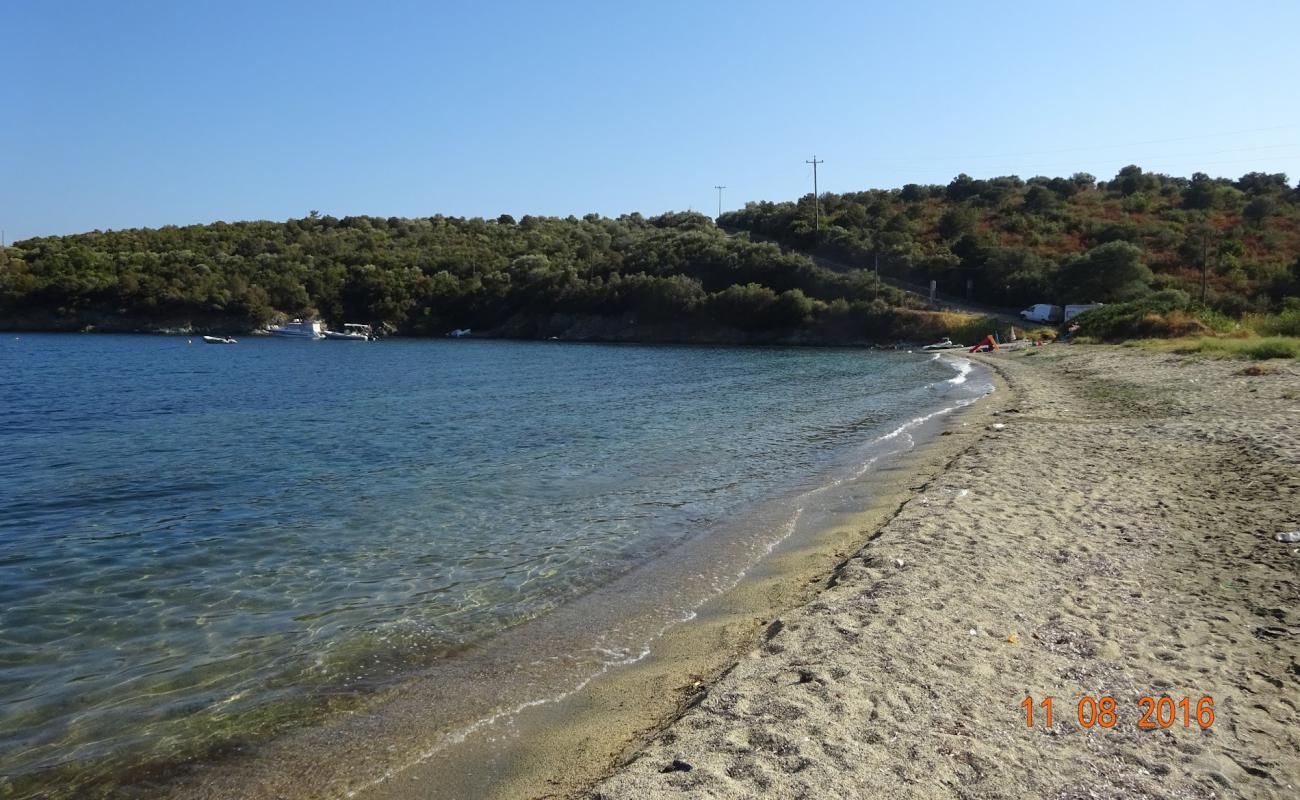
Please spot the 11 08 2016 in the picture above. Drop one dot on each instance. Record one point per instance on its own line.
(1153, 712)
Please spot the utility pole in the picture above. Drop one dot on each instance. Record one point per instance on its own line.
(1205, 247)
(817, 213)
(719, 188)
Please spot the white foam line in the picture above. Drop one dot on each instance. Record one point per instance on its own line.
(963, 367)
(459, 736)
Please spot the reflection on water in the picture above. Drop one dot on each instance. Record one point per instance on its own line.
(199, 545)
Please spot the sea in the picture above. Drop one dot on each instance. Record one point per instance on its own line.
(209, 547)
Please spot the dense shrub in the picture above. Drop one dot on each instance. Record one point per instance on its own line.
(1286, 323)
(1159, 316)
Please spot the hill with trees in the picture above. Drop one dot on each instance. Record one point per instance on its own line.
(1012, 242)
(1215, 246)
(674, 276)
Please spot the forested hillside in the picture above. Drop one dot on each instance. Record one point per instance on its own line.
(1063, 239)
(1235, 244)
(425, 276)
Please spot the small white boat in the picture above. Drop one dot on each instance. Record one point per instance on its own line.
(460, 332)
(352, 331)
(944, 344)
(219, 340)
(299, 329)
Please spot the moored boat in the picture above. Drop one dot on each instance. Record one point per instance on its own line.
(219, 340)
(352, 331)
(299, 329)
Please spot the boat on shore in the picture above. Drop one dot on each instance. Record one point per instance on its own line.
(352, 331)
(299, 329)
(943, 344)
(219, 340)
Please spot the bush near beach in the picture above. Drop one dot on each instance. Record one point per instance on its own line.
(1188, 328)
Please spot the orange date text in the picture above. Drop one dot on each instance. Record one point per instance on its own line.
(1103, 711)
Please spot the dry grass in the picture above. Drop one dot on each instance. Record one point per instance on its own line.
(1255, 348)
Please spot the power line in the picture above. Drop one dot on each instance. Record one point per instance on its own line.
(1044, 168)
(1112, 146)
(937, 163)
(817, 212)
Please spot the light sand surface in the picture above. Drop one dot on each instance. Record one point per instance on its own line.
(1115, 538)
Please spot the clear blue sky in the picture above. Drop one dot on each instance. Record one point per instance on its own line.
(129, 114)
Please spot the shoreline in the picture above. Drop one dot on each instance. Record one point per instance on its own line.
(594, 331)
(1114, 537)
(569, 745)
(529, 752)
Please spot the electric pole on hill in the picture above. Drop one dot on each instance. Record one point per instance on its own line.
(817, 213)
(719, 188)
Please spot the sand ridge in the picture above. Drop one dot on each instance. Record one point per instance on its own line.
(1113, 539)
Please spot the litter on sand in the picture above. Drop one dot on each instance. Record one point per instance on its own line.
(1288, 536)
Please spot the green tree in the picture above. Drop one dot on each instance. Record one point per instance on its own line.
(1039, 199)
(957, 221)
(1110, 272)
(1201, 193)
(1259, 209)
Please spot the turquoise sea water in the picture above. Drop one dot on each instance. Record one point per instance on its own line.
(202, 544)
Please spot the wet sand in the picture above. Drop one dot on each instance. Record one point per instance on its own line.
(1115, 538)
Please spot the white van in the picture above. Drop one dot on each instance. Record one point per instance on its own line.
(1042, 312)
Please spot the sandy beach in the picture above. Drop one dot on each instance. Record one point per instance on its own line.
(1105, 530)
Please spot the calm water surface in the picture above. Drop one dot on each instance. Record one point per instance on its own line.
(198, 543)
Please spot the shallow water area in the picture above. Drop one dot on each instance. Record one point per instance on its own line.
(214, 546)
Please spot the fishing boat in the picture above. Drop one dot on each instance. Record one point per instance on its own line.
(219, 340)
(299, 329)
(352, 331)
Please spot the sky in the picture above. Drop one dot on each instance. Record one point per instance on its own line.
(140, 114)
